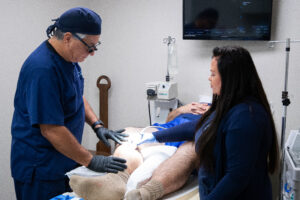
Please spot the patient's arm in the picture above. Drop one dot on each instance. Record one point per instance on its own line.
(194, 108)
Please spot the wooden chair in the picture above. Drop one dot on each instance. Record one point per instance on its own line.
(101, 148)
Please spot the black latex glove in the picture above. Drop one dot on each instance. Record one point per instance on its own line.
(104, 134)
(107, 164)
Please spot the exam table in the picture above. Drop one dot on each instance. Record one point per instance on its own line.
(188, 192)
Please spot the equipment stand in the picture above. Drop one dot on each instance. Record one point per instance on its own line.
(285, 102)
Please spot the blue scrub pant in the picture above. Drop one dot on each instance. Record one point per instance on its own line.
(40, 189)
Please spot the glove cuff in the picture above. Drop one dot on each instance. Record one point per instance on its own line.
(99, 122)
(91, 164)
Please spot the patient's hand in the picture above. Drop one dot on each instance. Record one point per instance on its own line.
(194, 108)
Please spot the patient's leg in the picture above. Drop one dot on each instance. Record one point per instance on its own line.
(169, 176)
(172, 178)
(110, 186)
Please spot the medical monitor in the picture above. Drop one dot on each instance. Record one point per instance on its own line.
(227, 19)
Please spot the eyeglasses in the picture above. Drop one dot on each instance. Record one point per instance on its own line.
(91, 49)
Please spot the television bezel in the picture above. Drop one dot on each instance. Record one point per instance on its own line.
(227, 38)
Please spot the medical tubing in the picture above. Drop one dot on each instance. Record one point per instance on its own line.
(142, 131)
(149, 112)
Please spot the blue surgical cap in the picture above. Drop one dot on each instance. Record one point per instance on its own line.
(77, 20)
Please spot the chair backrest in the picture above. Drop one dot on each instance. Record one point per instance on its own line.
(101, 148)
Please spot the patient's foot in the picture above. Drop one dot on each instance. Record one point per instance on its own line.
(107, 187)
(150, 191)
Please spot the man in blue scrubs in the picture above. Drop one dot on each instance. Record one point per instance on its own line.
(50, 110)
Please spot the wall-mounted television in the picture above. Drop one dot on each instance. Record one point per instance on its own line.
(227, 19)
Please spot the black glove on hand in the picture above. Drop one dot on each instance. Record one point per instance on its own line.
(107, 164)
(104, 134)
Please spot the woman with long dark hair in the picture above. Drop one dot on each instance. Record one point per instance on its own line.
(236, 139)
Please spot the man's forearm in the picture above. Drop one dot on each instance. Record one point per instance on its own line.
(90, 116)
(64, 142)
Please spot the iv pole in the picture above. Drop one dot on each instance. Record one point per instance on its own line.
(169, 40)
(285, 102)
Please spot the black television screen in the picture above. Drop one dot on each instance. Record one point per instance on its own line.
(227, 19)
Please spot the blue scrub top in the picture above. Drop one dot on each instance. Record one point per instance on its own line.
(49, 91)
(241, 149)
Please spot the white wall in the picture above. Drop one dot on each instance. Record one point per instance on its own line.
(132, 53)
(23, 28)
